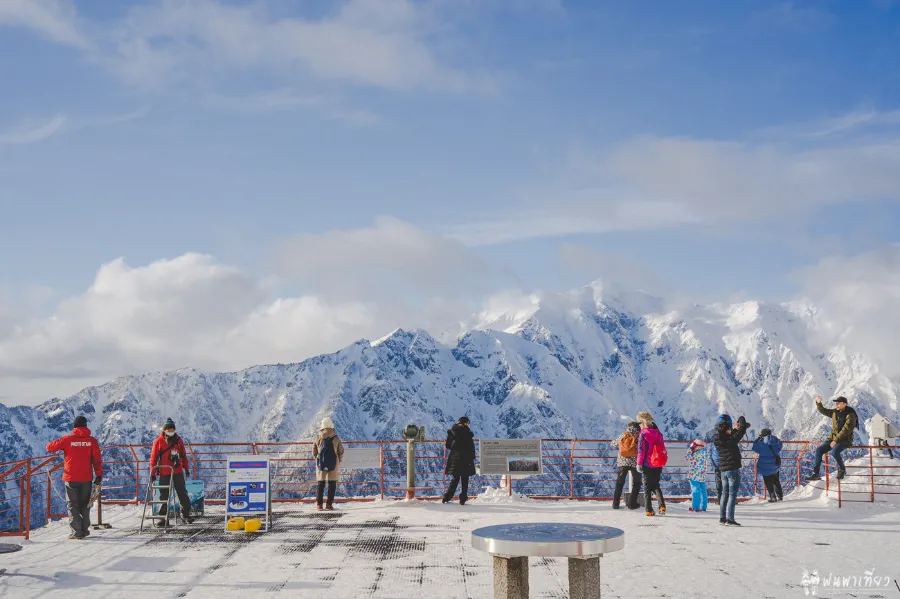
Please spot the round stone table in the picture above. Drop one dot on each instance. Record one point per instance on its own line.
(512, 545)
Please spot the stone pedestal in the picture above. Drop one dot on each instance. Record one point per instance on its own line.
(584, 578)
(511, 577)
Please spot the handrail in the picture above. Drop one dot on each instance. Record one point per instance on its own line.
(579, 469)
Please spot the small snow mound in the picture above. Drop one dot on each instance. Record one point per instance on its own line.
(498, 495)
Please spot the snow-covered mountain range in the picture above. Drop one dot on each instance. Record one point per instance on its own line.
(572, 365)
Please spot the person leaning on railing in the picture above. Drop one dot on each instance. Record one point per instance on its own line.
(843, 420)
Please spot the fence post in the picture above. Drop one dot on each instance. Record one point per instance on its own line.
(28, 501)
(872, 473)
(49, 485)
(381, 457)
(572, 471)
(755, 479)
(22, 514)
(826, 476)
(137, 476)
(800, 463)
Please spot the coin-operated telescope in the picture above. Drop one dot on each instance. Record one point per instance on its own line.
(881, 430)
(412, 434)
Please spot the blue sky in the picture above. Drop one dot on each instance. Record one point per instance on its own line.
(536, 143)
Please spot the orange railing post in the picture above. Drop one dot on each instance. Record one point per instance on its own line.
(872, 474)
(381, 447)
(28, 501)
(572, 471)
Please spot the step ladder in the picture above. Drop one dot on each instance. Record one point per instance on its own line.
(151, 501)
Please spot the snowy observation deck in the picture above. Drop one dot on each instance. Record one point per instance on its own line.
(422, 549)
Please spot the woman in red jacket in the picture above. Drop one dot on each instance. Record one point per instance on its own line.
(168, 450)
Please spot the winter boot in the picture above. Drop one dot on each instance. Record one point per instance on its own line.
(651, 513)
(662, 511)
(319, 507)
(841, 473)
(814, 476)
(329, 507)
(722, 522)
(731, 523)
(162, 524)
(74, 537)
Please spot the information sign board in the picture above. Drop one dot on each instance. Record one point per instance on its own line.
(510, 456)
(248, 484)
(360, 458)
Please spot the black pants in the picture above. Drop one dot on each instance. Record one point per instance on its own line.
(718, 485)
(180, 490)
(78, 495)
(651, 485)
(632, 501)
(320, 491)
(773, 485)
(463, 492)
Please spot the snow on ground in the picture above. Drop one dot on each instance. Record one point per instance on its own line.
(422, 549)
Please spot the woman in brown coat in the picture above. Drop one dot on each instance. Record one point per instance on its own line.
(328, 452)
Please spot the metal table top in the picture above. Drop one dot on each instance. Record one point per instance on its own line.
(548, 539)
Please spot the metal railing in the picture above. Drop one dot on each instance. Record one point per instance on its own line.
(32, 491)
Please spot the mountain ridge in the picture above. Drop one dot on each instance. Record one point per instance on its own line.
(566, 365)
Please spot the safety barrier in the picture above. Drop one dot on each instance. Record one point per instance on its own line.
(32, 491)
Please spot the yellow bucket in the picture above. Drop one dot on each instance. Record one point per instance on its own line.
(252, 525)
(236, 523)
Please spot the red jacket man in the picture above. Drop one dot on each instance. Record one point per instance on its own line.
(168, 450)
(82, 462)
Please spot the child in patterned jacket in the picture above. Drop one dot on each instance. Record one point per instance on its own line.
(696, 459)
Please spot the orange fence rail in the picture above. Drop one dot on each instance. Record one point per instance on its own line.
(32, 491)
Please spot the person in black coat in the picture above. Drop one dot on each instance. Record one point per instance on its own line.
(727, 442)
(461, 461)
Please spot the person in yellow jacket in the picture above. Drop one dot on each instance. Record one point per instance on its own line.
(843, 420)
(329, 452)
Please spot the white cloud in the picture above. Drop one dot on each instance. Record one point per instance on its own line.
(391, 254)
(55, 20)
(658, 182)
(171, 43)
(32, 131)
(195, 311)
(857, 298)
(187, 311)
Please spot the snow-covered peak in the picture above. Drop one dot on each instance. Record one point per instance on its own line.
(551, 365)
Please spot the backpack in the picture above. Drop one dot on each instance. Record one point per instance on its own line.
(327, 460)
(628, 446)
(658, 455)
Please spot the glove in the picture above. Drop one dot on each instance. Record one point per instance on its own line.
(98, 479)
(640, 469)
(187, 473)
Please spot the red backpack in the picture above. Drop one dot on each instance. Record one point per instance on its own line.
(658, 454)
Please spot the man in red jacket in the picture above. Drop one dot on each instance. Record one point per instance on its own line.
(82, 462)
(168, 450)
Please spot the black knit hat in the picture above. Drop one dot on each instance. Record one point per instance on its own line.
(169, 424)
(840, 400)
(463, 420)
(765, 432)
(80, 421)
